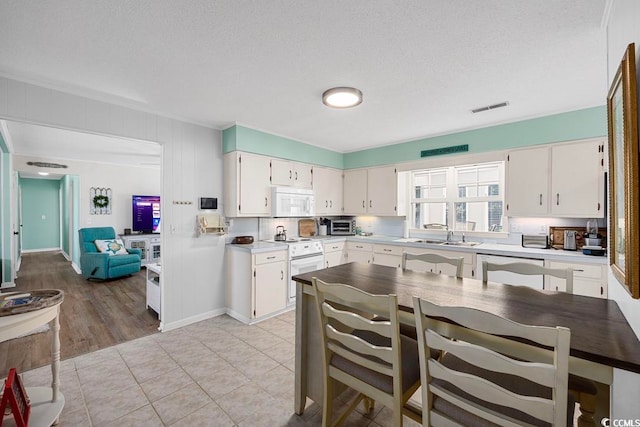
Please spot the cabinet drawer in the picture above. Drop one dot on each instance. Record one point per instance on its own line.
(589, 271)
(333, 246)
(267, 257)
(387, 249)
(357, 246)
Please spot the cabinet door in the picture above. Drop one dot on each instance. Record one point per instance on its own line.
(588, 279)
(382, 191)
(527, 182)
(282, 172)
(355, 191)
(331, 259)
(270, 288)
(577, 180)
(364, 257)
(327, 184)
(388, 260)
(255, 195)
(303, 175)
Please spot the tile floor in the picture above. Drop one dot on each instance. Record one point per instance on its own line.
(217, 372)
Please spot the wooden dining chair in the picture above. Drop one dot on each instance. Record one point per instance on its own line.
(584, 390)
(529, 270)
(368, 356)
(473, 385)
(432, 258)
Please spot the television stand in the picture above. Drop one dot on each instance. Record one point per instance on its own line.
(149, 245)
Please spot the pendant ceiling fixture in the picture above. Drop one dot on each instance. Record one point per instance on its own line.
(342, 97)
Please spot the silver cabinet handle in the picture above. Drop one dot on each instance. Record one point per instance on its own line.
(326, 204)
(359, 247)
(370, 204)
(363, 203)
(557, 199)
(540, 199)
(265, 202)
(281, 274)
(387, 250)
(271, 257)
(290, 174)
(330, 203)
(296, 175)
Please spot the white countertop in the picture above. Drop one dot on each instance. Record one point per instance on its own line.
(482, 248)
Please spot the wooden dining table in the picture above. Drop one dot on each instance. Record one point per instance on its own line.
(601, 338)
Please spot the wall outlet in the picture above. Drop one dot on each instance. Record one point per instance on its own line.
(516, 228)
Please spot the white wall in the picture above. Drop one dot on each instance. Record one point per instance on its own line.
(622, 29)
(124, 182)
(192, 267)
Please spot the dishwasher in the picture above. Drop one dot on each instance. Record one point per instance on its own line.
(536, 282)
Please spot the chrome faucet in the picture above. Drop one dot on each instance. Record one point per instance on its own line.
(449, 235)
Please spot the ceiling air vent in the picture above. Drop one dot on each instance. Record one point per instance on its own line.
(47, 165)
(490, 107)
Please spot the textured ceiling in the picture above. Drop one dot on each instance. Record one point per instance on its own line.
(422, 65)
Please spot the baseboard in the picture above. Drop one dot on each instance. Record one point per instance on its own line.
(30, 251)
(66, 256)
(164, 327)
(238, 316)
(248, 321)
(7, 285)
(76, 268)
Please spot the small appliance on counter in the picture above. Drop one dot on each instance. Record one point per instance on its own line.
(342, 227)
(569, 240)
(535, 241)
(281, 234)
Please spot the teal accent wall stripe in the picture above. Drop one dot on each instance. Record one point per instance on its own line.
(40, 197)
(241, 138)
(5, 227)
(229, 140)
(580, 124)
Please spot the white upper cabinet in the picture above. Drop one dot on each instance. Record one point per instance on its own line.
(382, 190)
(355, 191)
(527, 182)
(247, 187)
(288, 173)
(327, 185)
(563, 180)
(372, 191)
(577, 185)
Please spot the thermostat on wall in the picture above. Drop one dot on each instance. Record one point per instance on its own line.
(208, 203)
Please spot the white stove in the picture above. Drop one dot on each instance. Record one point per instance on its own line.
(305, 255)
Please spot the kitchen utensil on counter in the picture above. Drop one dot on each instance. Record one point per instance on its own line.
(242, 240)
(569, 240)
(593, 250)
(589, 241)
(281, 234)
(307, 227)
(323, 230)
(592, 227)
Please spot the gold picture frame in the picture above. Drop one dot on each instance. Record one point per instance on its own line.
(624, 212)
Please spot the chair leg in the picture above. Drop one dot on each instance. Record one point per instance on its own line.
(587, 403)
(327, 407)
(369, 405)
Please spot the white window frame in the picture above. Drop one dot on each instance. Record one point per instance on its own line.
(452, 197)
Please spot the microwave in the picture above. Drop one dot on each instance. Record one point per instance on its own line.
(342, 227)
(292, 202)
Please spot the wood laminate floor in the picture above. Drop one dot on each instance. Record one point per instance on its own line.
(94, 314)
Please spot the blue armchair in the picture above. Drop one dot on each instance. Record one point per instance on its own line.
(98, 265)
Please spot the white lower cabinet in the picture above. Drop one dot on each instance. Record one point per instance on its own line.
(256, 285)
(388, 255)
(359, 252)
(588, 279)
(149, 245)
(334, 254)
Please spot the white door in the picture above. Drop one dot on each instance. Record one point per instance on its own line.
(270, 288)
(255, 196)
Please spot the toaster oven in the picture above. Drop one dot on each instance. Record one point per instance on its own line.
(342, 227)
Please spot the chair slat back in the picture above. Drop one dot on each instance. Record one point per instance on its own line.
(434, 259)
(553, 375)
(344, 309)
(529, 270)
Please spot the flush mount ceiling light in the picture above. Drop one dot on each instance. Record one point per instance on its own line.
(342, 97)
(43, 173)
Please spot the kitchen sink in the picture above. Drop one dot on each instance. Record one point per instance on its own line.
(460, 243)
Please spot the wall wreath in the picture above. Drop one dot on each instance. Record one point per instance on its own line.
(100, 201)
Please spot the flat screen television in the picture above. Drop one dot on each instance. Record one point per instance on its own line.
(146, 214)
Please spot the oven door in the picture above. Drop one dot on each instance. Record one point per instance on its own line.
(300, 266)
